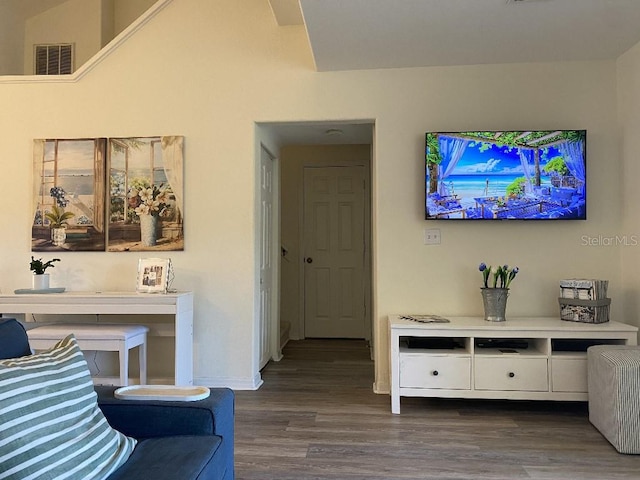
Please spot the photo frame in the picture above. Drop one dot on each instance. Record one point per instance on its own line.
(153, 275)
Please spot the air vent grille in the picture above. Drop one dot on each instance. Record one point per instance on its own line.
(53, 59)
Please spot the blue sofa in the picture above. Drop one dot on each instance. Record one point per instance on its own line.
(177, 440)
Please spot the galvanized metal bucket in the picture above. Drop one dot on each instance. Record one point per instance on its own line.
(495, 303)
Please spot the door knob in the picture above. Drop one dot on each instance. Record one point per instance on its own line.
(308, 260)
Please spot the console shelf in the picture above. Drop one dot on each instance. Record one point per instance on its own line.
(527, 358)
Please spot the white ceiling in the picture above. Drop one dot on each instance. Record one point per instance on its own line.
(366, 34)
(369, 34)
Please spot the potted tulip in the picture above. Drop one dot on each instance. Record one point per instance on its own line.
(496, 290)
(40, 278)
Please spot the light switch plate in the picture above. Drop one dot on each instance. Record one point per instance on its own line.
(432, 236)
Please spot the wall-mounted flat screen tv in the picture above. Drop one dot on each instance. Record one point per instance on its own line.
(506, 175)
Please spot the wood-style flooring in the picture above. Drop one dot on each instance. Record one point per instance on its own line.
(316, 417)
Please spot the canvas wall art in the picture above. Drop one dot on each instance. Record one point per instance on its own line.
(118, 194)
(68, 195)
(146, 194)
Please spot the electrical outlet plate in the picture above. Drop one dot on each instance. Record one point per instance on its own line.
(432, 236)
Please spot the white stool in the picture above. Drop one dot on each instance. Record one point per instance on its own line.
(101, 337)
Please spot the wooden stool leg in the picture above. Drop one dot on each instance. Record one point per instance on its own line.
(124, 365)
(142, 351)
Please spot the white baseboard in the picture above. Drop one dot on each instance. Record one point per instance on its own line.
(278, 356)
(381, 388)
(230, 382)
(114, 381)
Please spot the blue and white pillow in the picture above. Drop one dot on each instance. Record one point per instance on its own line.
(50, 424)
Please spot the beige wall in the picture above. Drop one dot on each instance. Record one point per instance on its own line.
(125, 12)
(77, 21)
(627, 135)
(12, 44)
(209, 70)
(107, 21)
(90, 24)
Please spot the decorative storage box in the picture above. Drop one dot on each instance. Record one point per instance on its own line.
(583, 288)
(584, 300)
(586, 311)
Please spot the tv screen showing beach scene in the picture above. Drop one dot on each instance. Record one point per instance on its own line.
(506, 175)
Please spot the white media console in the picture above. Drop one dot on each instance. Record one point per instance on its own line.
(527, 358)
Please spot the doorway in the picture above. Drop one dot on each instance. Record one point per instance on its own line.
(326, 241)
(298, 145)
(334, 246)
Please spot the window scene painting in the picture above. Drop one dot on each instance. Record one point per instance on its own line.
(145, 194)
(68, 195)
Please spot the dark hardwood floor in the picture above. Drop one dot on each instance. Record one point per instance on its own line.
(316, 417)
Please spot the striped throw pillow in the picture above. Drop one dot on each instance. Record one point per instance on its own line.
(50, 424)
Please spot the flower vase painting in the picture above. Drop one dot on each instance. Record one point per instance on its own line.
(146, 194)
(140, 208)
(68, 195)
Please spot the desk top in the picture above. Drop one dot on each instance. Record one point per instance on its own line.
(96, 302)
(94, 297)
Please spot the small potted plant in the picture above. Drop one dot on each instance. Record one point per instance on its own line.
(40, 278)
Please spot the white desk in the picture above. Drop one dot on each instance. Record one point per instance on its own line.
(180, 305)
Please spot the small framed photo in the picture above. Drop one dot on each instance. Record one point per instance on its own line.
(153, 275)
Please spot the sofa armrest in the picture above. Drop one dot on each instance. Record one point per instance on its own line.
(141, 419)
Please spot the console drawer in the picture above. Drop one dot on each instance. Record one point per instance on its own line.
(512, 373)
(420, 370)
(569, 374)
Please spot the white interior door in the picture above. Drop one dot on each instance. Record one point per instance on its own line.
(334, 249)
(266, 263)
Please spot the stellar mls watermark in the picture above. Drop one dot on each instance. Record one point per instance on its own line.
(610, 241)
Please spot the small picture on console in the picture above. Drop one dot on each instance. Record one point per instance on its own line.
(506, 175)
(153, 275)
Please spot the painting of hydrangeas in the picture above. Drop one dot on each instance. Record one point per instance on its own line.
(145, 194)
(115, 194)
(68, 195)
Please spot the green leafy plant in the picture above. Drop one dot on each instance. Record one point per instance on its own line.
(558, 165)
(39, 267)
(516, 188)
(433, 159)
(58, 217)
